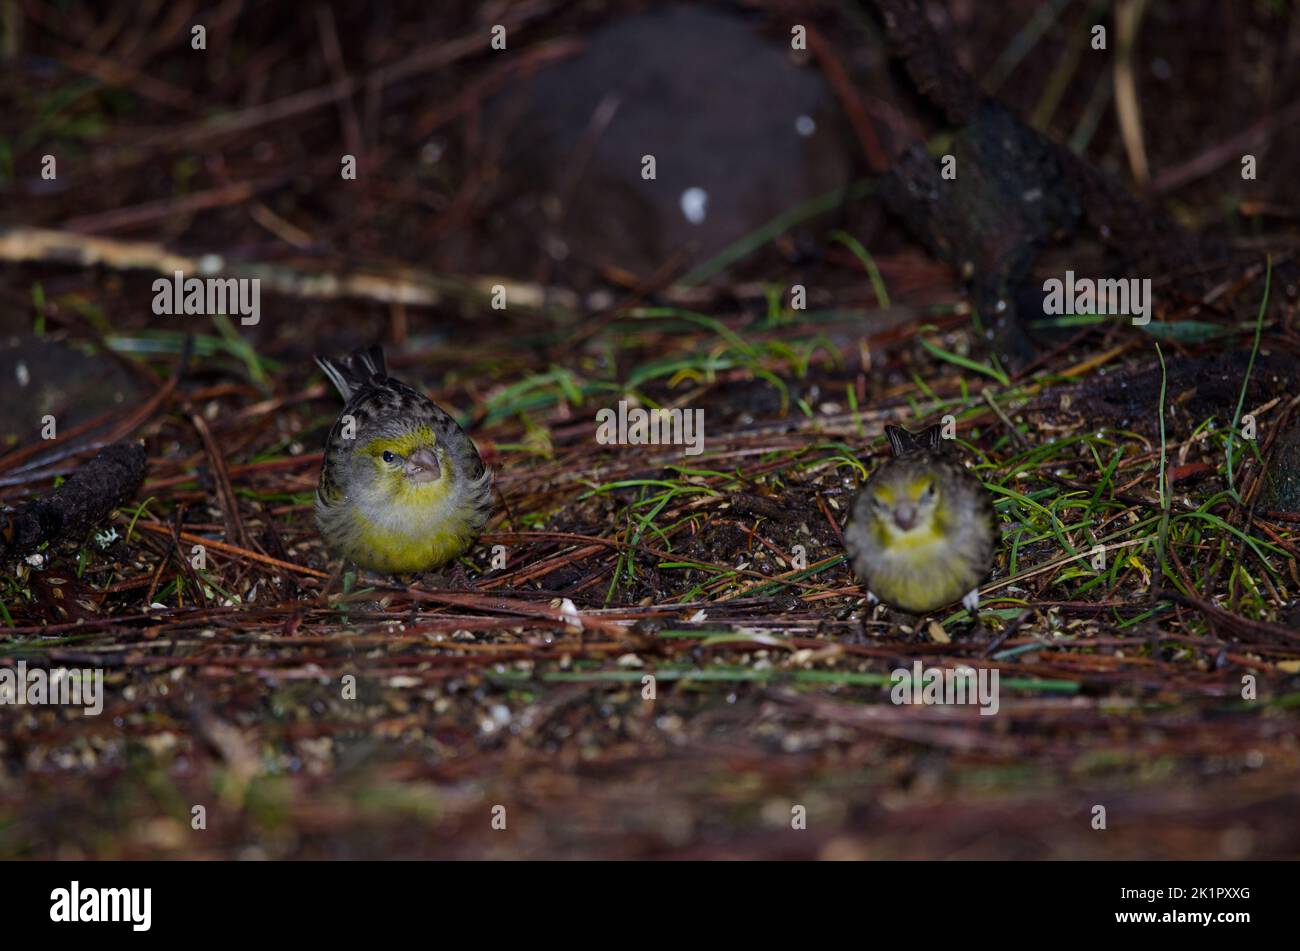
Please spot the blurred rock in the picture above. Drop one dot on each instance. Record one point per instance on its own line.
(1280, 491)
(739, 130)
(40, 376)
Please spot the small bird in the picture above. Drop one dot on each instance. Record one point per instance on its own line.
(920, 535)
(402, 488)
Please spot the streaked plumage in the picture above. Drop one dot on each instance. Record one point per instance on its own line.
(408, 492)
(920, 534)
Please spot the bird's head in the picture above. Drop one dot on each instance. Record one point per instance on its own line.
(402, 463)
(907, 503)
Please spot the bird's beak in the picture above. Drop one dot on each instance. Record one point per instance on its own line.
(905, 515)
(422, 466)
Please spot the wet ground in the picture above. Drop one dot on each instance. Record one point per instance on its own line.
(649, 653)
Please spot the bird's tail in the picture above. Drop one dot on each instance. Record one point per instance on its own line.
(901, 441)
(361, 367)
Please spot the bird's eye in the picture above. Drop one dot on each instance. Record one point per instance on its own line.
(389, 457)
(928, 493)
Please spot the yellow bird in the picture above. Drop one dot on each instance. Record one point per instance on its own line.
(920, 534)
(402, 487)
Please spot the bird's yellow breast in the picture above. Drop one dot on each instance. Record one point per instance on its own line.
(403, 554)
(414, 527)
(918, 570)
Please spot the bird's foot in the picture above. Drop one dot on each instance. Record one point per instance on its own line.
(971, 602)
(454, 578)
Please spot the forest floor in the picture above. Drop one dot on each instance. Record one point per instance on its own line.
(653, 654)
